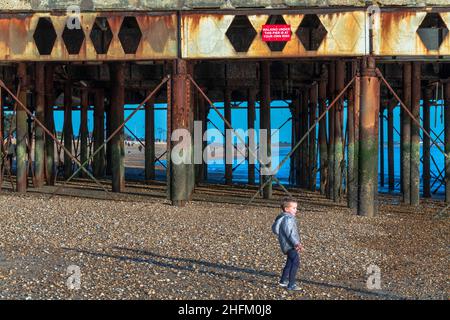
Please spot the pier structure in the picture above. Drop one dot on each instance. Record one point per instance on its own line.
(343, 71)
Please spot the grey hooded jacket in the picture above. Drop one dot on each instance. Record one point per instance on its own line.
(285, 227)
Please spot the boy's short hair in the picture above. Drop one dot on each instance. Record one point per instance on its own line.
(286, 201)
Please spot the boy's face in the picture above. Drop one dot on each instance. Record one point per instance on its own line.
(292, 208)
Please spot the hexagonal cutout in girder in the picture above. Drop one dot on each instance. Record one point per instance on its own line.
(311, 32)
(276, 45)
(73, 37)
(130, 35)
(241, 33)
(432, 31)
(101, 35)
(44, 36)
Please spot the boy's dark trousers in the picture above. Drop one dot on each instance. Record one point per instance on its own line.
(290, 270)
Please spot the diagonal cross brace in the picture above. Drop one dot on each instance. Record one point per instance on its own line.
(151, 94)
(306, 135)
(2, 84)
(142, 144)
(380, 75)
(230, 127)
(278, 129)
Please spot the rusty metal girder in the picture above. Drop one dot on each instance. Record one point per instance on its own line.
(396, 34)
(132, 36)
(158, 38)
(205, 36)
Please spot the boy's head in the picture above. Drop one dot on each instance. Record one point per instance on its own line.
(289, 205)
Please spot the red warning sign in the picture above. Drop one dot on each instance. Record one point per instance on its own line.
(276, 32)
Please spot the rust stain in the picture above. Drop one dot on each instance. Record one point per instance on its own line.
(157, 31)
(18, 36)
(390, 29)
(159, 35)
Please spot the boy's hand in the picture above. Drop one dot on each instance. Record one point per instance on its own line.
(299, 248)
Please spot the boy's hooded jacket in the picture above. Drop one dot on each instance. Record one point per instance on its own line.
(285, 227)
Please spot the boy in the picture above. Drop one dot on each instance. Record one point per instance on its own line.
(285, 227)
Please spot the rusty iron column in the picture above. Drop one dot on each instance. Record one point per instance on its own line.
(415, 134)
(368, 139)
(117, 118)
(406, 134)
(228, 145)
(390, 119)
(323, 143)
(331, 125)
(67, 128)
(301, 131)
(292, 156)
(149, 140)
(204, 118)
(2, 127)
(447, 140)
(305, 173)
(338, 143)
(381, 124)
(180, 186)
(296, 137)
(39, 136)
(264, 117)
(108, 134)
(251, 117)
(313, 96)
(99, 133)
(21, 130)
(352, 175)
(50, 125)
(190, 103)
(427, 97)
(84, 129)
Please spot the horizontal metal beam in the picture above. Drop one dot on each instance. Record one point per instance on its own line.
(402, 33)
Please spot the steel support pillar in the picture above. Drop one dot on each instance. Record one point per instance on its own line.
(390, 124)
(228, 146)
(84, 129)
(99, 133)
(2, 127)
(21, 130)
(149, 140)
(368, 139)
(108, 134)
(204, 110)
(447, 140)
(323, 143)
(331, 132)
(251, 117)
(352, 119)
(50, 125)
(406, 134)
(338, 143)
(39, 135)
(313, 97)
(297, 135)
(427, 97)
(180, 146)
(305, 145)
(117, 118)
(264, 116)
(68, 142)
(381, 148)
(415, 134)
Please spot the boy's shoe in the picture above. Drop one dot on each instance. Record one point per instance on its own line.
(294, 288)
(283, 284)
